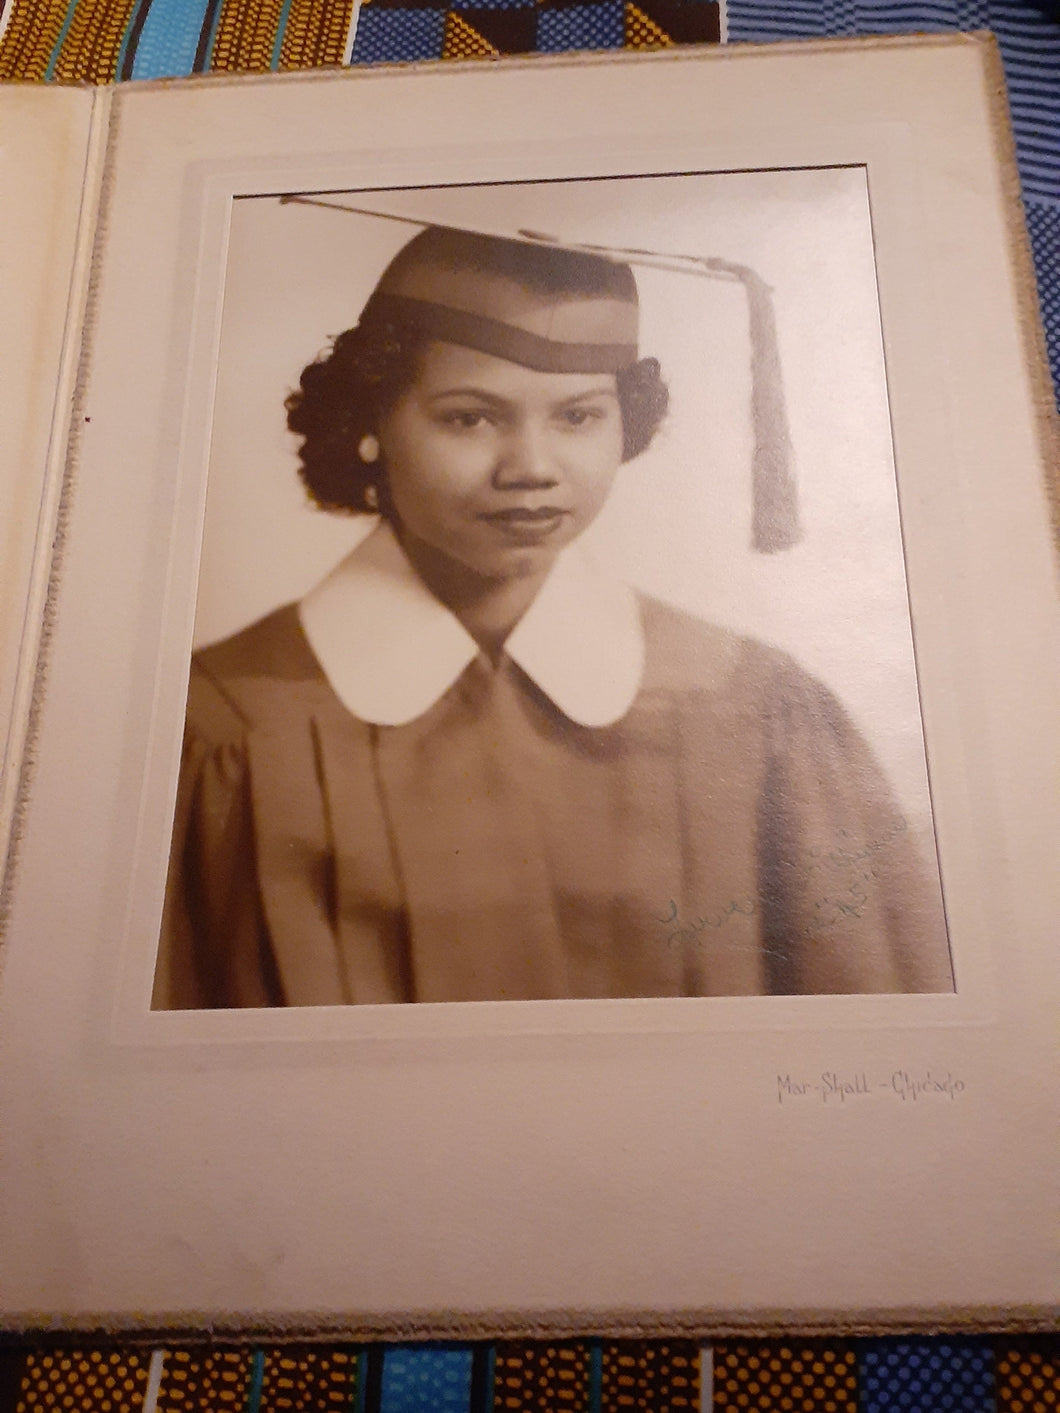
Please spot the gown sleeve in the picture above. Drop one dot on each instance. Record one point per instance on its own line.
(214, 949)
(848, 902)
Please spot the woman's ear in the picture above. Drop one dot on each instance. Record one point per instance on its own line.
(368, 448)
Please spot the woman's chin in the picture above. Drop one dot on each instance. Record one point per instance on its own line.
(514, 562)
(461, 569)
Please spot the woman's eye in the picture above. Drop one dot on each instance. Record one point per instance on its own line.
(464, 419)
(580, 416)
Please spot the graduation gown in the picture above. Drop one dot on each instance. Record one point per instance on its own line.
(719, 827)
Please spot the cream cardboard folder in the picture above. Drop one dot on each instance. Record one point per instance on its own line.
(690, 1163)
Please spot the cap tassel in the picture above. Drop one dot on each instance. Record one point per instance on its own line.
(774, 493)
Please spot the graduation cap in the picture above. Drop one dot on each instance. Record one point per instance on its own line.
(570, 307)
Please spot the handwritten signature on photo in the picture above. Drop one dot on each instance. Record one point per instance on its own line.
(842, 870)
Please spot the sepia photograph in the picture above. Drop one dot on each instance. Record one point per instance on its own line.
(552, 634)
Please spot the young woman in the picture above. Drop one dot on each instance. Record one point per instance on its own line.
(466, 766)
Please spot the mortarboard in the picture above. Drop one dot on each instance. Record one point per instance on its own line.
(570, 307)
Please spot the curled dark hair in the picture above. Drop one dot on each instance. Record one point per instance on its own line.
(645, 400)
(345, 392)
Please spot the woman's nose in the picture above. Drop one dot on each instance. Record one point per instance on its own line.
(526, 458)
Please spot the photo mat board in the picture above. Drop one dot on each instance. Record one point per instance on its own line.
(694, 1163)
(678, 523)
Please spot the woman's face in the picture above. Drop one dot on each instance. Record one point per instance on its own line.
(497, 466)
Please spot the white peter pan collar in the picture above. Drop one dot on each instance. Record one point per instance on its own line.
(390, 649)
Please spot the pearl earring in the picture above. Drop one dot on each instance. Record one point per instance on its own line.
(368, 448)
(371, 497)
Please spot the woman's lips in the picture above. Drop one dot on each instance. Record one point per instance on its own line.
(527, 523)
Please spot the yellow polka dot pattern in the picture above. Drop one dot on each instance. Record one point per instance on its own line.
(315, 33)
(93, 42)
(308, 1380)
(641, 31)
(91, 1381)
(29, 39)
(463, 41)
(204, 1381)
(643, 1376)
(532, 1377)
(1027, 1379)
(785, 1377)
(246, 32)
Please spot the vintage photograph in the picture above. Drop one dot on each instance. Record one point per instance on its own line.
(552, 635)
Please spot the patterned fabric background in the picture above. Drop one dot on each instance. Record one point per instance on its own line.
(102, 40)
(942, 1375)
